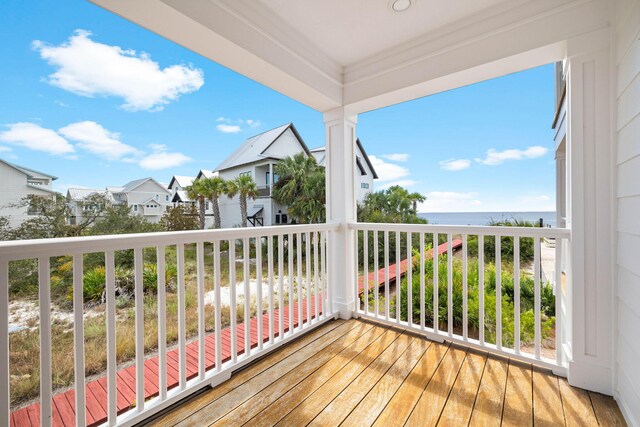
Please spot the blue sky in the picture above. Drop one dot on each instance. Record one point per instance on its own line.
(96, 100)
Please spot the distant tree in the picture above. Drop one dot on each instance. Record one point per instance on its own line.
(216, 187)
(245, 187)
(5, 228)
(199, 192)
(393, 205)
(93, 207)
(301, 187)
(48, 218)
(180, 218)
(118, 219)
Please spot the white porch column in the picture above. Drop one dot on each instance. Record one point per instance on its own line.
(341, 207)
(590, 204)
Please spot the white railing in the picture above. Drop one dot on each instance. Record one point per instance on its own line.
(301, 295)
(463, 314)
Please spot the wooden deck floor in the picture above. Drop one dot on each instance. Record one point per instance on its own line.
(355, 373)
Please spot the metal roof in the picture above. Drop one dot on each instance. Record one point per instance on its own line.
(182, 181)
(252, 149)
(82, 193)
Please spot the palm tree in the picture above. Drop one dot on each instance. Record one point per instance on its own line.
(301, 187)
(200, 192)
(245, 187)
(216, 187)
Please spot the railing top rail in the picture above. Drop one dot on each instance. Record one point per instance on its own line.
(27, 249)
(484, 230)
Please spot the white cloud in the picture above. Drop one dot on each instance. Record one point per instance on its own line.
(455, 164)
(162, 159)
(94, 138)
(449, 201)
(402, 183)
(35, 137)
(229, 128)
(396, 157)
(388, 171)
(4, 149)
(88, 68)
(228, 125)
(494, 157)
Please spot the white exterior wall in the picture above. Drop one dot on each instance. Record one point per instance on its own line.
(13, 189)
(627, 128)
(146, 191)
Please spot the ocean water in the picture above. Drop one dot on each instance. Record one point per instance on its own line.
(482, 218)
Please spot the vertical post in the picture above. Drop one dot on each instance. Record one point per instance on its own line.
(341, 206)
(44, 293)
(4, 344)
(591, 196)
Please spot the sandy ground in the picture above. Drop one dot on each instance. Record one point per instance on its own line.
(26, 314)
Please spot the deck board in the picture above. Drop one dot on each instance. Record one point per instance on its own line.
(362, 374)
(518, 406)
(547, 403)
(299, 383)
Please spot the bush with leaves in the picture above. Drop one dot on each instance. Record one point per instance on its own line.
(507, 303)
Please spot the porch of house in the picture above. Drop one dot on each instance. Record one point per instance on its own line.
(360, 373)
(323, 370)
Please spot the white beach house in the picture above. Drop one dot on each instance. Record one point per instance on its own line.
(17, 183)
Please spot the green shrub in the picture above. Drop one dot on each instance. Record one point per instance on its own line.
(547, 300)
(93, 283)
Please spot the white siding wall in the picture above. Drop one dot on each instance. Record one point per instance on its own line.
(13, 188)
(146, 191)
(627, 372)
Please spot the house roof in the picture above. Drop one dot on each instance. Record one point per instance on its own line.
(78, 194)
(319, 154)
(132, 185)
(181, 196)
(253, 149)
(31, 173)
(182, 181)
(206, 173)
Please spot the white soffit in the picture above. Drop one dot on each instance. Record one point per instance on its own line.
(349, 31)
(359, 53)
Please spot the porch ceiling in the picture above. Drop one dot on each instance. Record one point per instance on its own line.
(361, 54)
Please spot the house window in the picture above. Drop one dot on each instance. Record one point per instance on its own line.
(284, 219)
(206, 205)
(166, 198)
(157, 197)
(275, 178)
(277, 218)
(246, 174)
(364, 185)
(135, 208)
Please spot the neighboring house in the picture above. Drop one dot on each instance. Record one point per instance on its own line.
(364, 167)
(76, 200)
(146, 197)
(178, 188)
(257, 157)
(17, 183)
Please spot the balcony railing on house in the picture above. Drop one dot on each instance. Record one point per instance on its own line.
(290, 265)
(264, 191)
(451, 318)
(295, 301)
